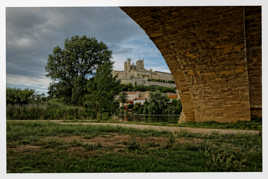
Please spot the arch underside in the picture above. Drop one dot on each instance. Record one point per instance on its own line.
(207, 52)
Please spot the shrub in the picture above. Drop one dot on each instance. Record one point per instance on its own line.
(219, 159)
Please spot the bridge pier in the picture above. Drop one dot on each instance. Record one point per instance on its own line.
(214, 54)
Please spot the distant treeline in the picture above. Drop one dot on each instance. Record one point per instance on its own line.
(130, 87)
(16, 96)
(162, 81)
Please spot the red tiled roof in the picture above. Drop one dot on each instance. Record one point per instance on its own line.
(131, 92)
(174, 96)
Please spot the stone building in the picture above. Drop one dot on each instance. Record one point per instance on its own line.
(138, 75)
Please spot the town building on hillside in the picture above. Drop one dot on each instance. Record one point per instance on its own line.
(134, 97)
(138, 75)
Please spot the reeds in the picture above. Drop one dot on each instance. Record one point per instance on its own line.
(45, 112)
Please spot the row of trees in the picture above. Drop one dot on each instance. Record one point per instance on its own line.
(24, 96)
(163, 81)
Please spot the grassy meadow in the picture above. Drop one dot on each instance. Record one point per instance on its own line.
(43, 146)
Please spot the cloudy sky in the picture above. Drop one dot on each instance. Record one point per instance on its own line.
(32, 33)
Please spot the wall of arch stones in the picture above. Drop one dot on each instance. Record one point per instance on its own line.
(214, 54)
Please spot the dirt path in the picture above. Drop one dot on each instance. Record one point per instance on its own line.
(166, 128)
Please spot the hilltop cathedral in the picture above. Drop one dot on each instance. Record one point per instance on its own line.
(138, 75)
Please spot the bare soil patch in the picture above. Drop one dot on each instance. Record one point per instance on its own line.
(65, 139)
(114, 140)
(118, 141)
(183, 140)
(76, 149)
(26, 148)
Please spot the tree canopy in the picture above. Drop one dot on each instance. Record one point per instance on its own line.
(19, 96)
(157, 103)
(16, 96)
(71, 67)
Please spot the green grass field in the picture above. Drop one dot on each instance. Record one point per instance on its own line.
(41, 146)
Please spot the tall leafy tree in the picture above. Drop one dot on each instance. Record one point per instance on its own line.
(71, 67)
(101, 91)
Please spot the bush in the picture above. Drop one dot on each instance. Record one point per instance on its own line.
(219, 159)
(105, 116)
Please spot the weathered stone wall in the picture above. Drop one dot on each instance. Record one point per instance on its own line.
(205, 49)
(162, 76)
(253, 42)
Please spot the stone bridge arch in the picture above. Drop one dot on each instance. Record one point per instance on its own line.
(214, 54)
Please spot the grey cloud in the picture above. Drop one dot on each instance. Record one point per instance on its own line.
(33, 32)
(120, 49)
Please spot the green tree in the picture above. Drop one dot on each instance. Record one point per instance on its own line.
(101, 91)
(138, 108)
(71, 68)
(174, 107)
(123, 97)
(157, 103)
